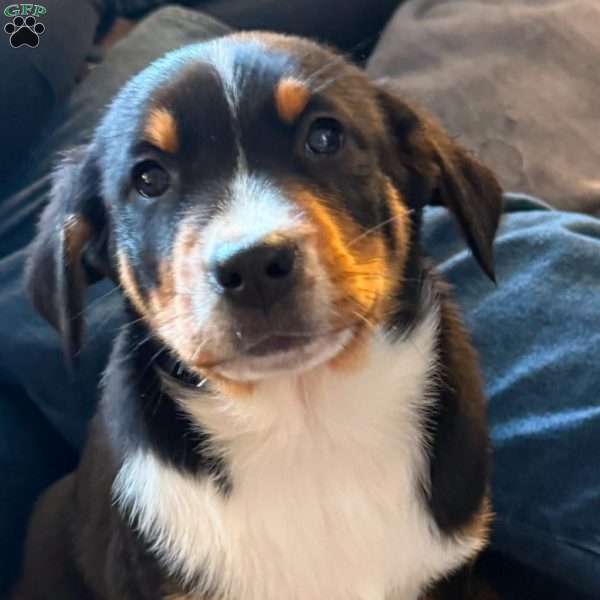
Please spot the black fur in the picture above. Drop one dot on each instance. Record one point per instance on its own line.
(139, 413)
(460, 445)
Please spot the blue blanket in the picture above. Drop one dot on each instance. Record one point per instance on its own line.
(538, 334)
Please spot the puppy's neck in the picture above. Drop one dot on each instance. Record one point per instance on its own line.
(301, 453)
(191, 423)
(390, 378)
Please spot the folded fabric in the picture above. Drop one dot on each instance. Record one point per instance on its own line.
(538, 334)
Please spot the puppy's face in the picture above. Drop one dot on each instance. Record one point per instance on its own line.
(258, 203)
(244, 203)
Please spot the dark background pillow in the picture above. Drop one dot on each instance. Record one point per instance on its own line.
(516, 80)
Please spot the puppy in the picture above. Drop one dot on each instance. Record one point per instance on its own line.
(294, 410)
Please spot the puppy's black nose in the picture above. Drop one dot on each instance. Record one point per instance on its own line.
(258, 276)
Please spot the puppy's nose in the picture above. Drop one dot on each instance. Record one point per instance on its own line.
(258, 276)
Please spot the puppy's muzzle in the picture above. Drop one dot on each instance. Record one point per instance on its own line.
(257, 276)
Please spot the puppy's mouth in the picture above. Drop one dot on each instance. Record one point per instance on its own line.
(280, 353)
(277, 343)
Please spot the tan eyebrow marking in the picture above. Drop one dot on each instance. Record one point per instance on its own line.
(291, 98)
(161, 130)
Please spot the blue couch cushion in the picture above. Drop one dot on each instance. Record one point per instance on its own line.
(538, 334)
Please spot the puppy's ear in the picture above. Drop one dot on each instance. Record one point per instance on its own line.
(70, 249)
(449, 174)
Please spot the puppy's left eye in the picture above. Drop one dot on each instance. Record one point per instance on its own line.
(150, 179)
(325, 136)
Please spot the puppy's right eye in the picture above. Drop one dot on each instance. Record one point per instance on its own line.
(325, 137)
(150, 179)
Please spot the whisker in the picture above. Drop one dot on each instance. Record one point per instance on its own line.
(376, 228)
(160, 351)
(134, 321)
(365, 319)
(199, 348)
(98, 300)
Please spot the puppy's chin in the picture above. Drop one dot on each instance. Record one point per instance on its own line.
(268, 360)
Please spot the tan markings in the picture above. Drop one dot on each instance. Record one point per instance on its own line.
(358, 267)
(363, 273)
(230, 388)
(401, 223)
(357, 264)
(162, 297)
(177, 281)
(172, 311)
(291, 98)
(169, 310)
(478, 588)
(77, 232)
(479, 526)
(161, 130)
(166, 311)
(277, 239)
(128, 283)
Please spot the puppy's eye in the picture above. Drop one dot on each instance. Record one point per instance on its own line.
(325, 136)
(150, 179)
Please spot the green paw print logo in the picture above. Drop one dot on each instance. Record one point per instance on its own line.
(25, 28)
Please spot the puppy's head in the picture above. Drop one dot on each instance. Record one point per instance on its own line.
(257, 198)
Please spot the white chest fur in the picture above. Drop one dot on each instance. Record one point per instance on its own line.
(326, 471)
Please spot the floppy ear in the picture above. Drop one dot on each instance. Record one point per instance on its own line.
(70, 249)
(451, 176)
